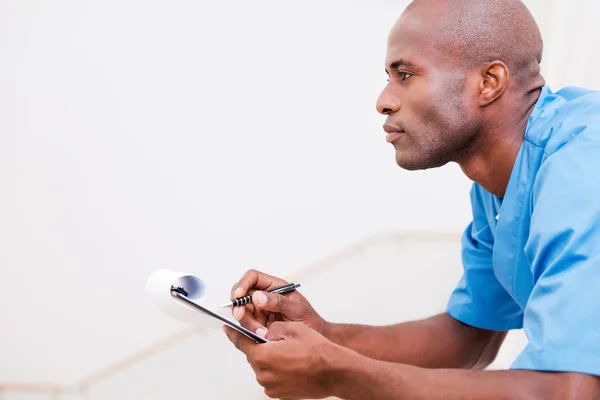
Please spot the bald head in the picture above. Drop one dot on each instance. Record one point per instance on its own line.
(472, 32)
(461, 73)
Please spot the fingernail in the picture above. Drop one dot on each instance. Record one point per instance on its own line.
(237, 293)
(236, 311)
(261, 299)
(261, 332)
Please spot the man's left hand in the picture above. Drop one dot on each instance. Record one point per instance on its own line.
(296, 363)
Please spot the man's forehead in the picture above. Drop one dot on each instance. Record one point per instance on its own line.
(421, 22)
(416, 36)
(405, 42)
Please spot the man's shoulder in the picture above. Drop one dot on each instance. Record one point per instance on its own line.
(569, 116)
(571, 153)
(575, 93)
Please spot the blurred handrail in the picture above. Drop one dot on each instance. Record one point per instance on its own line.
(136, 357)
(31, 387)
(357, 247)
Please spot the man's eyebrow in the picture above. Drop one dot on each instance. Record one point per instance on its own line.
(402, 63)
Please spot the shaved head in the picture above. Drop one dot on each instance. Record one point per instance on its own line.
(479, 31)
(462, 74)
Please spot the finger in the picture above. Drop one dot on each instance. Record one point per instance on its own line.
(238, 312)
(241, 342)
(286, 305)
(250, 322)
(257, 280)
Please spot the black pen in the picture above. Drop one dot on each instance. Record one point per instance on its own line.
(248, 299)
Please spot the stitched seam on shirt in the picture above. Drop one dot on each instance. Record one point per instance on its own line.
(514, 249)
(533, 144)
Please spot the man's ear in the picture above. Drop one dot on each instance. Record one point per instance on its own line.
(493, 81)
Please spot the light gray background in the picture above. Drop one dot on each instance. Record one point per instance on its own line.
(209, 137)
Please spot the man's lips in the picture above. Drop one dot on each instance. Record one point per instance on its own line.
(393, 136)
(394, 132)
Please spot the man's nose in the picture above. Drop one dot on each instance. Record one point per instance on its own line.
(387, 103)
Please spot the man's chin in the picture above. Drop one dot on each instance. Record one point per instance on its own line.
(408, 163)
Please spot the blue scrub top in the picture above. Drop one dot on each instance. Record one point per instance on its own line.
(532, 259)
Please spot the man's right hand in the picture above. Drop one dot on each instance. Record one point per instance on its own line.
(267, 308)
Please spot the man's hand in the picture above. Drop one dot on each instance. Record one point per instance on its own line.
(296, 363)
(267, 308)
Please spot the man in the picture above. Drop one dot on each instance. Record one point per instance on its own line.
(465, 87)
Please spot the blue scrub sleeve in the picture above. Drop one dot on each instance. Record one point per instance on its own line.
(562, 316)
(479, 299)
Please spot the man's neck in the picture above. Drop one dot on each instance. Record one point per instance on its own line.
(492, 166)
(491, 159)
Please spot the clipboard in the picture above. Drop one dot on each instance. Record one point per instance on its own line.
(191, 303)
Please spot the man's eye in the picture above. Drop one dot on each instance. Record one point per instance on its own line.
(404, 75)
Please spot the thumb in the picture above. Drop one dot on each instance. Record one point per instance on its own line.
(276, 303)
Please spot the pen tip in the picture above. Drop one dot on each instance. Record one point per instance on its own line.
(225, 305)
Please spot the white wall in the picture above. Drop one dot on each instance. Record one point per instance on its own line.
(203, 136)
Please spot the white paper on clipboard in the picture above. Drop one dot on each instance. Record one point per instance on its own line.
(158, 287)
